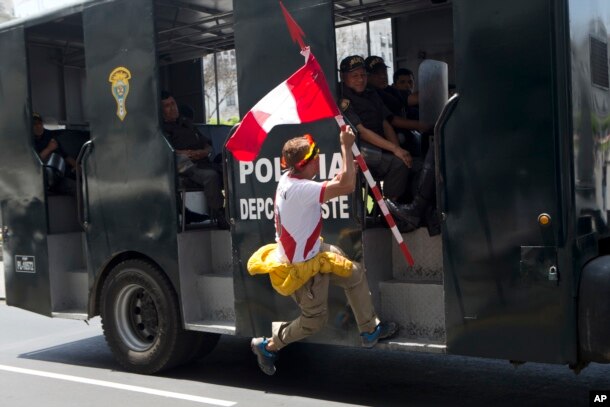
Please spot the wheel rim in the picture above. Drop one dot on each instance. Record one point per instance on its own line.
(136, 317)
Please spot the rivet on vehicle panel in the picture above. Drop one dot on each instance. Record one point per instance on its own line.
(544, 219)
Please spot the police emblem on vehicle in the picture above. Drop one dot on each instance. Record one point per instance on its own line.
(119, 77)
(25, 264)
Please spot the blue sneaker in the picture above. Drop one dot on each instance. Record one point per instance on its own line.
(266, 359)
(383, 330)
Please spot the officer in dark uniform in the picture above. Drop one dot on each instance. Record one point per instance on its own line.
(404, 83)
(364, 109)
(49, 150)
(422, 207)
(190, 145)
(409, 131)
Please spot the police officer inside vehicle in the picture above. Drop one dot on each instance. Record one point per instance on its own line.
(409, 131)
(192, 146)
(404, 83)
(421, 210)
(51, 153)
(365, 110)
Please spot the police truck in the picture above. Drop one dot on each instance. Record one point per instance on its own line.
(520, 271)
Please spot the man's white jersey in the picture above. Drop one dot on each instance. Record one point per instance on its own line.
(298, 218)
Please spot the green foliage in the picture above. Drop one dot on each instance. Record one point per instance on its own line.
(230, 121)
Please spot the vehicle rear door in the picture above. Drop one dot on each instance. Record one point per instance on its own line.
(22, 195)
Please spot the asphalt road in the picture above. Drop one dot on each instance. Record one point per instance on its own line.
(63, 363)
(2, 290)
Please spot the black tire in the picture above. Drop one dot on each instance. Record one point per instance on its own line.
(141, 319)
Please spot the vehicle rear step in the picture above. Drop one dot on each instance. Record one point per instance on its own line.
(409, 345)
(69, 280)
(217, 297)
(412, 296)
(219, 327)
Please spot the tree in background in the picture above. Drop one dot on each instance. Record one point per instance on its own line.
(227, 104)
(351, 40)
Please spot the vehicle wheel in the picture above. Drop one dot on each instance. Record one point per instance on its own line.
(141, 319)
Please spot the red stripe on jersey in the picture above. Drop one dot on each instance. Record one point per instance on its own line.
(313, 238)
(288, 243)
(322, 190)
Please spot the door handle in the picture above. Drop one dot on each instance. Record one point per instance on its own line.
(82, 187)
(439, 143)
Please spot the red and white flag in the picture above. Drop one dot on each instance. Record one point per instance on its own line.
(302, 98)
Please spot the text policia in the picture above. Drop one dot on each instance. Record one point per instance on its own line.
(265, 170)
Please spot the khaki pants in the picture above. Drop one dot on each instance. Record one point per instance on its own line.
(312, 298)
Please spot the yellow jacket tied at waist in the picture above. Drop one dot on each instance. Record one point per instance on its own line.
(286, 278)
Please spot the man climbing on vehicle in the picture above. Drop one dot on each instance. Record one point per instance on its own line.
(300, 264)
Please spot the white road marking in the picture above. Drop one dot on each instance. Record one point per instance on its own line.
(102, 383)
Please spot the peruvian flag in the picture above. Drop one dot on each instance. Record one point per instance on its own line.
(302, 98)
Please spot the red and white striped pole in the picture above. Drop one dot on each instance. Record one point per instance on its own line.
(384, 208)
(377, 194)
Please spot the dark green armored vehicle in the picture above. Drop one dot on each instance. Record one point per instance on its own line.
(521, 270)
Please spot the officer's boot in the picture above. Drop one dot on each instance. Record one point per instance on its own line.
(426, 184)
(433, 221)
